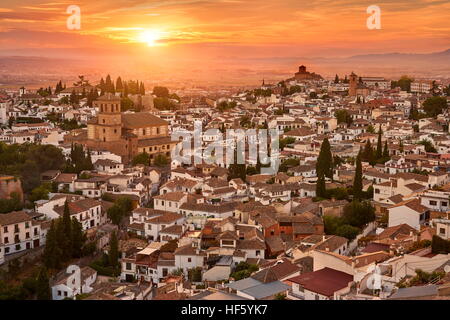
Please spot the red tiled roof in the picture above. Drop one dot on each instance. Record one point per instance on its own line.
(325, 281)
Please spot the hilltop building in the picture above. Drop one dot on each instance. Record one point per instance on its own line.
(303, 75)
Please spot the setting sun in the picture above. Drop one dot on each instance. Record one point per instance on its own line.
(150, 37)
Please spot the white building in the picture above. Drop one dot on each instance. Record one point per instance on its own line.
(410, 212)
(73, 281)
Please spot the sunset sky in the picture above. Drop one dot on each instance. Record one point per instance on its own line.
(187, 29)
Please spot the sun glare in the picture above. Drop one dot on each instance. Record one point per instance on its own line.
(150, 37)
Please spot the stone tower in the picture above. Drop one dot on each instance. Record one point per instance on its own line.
(353, 84)
(109, 123)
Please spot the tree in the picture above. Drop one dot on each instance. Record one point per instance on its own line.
(347, 231)
(121, 208)
(336, 79)
(428, 146)
(285, 141)
(142, 158)
(78, 238)
(12, 204)
(386, 151)
(161, 160)
(370, 129)
(321, 190)
(126, 103)
(52, 252)
(404, 83)
(368, 154)
(142, 89)
(343, 116)
(109, 85)
(358, 213)
(434, 106)
(357, 181)
(113, 252)
(40, 192)
(379, 152)
(42, 285)
(119, 84)
(439, 245)
(325, 160)
(237, 170)
(161, 92)
(65, 233)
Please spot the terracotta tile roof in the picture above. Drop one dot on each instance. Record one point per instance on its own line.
(168, 217)
(413, 204)
(325, 281)
(141, 119)
(14, 217)
(171, 196)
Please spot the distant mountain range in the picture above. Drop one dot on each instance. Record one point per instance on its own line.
(19, 68)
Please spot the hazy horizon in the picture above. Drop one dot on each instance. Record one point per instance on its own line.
(213, 42)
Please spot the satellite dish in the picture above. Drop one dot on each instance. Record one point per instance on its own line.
(447, 268)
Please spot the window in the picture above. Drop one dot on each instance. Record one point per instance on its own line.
(128, 266)
(257, 253)
(16, 228)
(5, 229)
(444, 203)
(441, 231)
(27, 235)
(27, 225)
(189, 259)
(6, 240)
(433, 203)
(18, 247)
(59, 293)
(377, 190)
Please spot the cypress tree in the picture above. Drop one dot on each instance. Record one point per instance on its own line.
(368, 151)
(109, 85)
(357, 182)
(113, 251)
(66, 233)
(321, 189)
(42, 285)
(324, 162)
(119, 85)
(379, 153)
(125, 90)
(78, 238)
(52, 253)
(336, 79)
(386, 150)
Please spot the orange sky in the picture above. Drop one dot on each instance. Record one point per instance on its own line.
(201, 29)
(407, 25)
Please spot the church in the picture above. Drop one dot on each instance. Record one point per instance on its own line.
(357, 87)
(126, 134)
